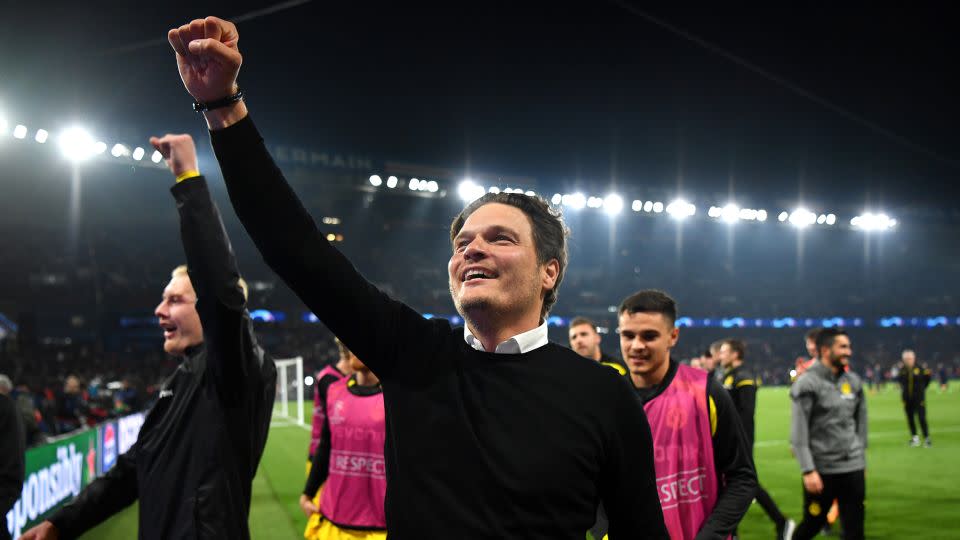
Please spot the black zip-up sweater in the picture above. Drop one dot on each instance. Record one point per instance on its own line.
(197, 453)
(479, 445)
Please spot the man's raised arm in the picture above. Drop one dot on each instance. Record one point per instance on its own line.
(235, 357)
(285, 234)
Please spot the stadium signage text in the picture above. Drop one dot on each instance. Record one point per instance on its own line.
(129, 429)
(44, 489)
(289, 154)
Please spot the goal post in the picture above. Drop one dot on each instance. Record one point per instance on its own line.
(290, 389)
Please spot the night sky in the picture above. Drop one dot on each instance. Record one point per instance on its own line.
(576, 94)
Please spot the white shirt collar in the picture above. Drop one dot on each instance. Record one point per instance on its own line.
(518, 344)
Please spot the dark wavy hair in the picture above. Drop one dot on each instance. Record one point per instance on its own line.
(549, 232)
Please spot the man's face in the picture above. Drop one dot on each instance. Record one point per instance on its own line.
(909, 359)
(585, 340)
(645, 341)
(811, 348)
(726, 355)
(710, 362)
(177, 314)
(839, 352)
(494, 267)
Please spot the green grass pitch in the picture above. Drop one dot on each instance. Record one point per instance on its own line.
(911, 492)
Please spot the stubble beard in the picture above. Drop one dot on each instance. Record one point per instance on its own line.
(481, 310)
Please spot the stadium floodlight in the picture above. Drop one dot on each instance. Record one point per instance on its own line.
(3, 125)
(821, 219)
(392, 182)
(637, 205)
(556, 199)
(138, 153)
(41, 136)
(469, 191)
(494, 189)
(681, 209)
(801, 217)
(119, 150)
(375, 180)
(657, 207)
(831, 219)
(761, 215)
(648, 206)
(783, 216)
(578, 201)
(433, 186)
(156, 156)
(730, 213)
(99, 147)
(714, 211)
(530, 193)
(594, 202)
(575, 201)
(414, 184)
(869, 222)
(20, 131)
(76, 144)
(612, 204)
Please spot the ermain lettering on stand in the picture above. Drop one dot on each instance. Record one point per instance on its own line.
(303, 156)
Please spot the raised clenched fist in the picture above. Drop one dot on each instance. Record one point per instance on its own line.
(208, 57)
(179, 152)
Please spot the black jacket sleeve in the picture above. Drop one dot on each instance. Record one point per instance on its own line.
(734, 465)
(234, 358)
(321, 276)
(746, 408)
(103, 498)
(628, 485)
(320, 466)
(12, 450)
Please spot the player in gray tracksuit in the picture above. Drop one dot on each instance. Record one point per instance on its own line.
(829, 438)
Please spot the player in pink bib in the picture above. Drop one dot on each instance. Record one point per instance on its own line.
(324, 378)
(705, 475)
(349, 462)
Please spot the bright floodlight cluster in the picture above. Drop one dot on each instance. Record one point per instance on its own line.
(873, 222)
(802, 218)
(731, 213)
(75, 143)
(430, 186)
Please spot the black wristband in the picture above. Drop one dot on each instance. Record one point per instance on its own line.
(218, 104)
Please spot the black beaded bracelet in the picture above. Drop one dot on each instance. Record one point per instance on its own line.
(218, 104)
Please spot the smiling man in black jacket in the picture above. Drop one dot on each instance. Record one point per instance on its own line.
(197, 453)
(484, 439)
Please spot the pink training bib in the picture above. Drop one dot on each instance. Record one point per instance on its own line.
(683, 452)
(318, 413)
(355, 489)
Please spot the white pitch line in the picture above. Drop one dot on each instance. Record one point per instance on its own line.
(280, 421)
(878, 435)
